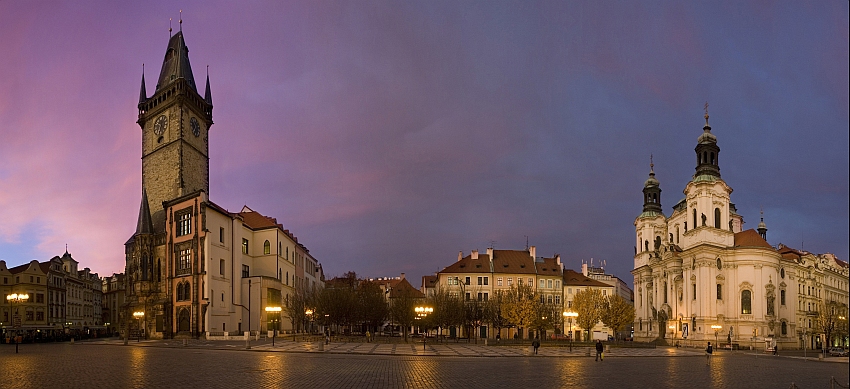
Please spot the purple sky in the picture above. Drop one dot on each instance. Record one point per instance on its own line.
(390, 136)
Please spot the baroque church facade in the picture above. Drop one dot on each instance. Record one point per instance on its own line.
(699, 276)
(191, 266)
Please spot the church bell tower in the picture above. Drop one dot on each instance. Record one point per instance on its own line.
(175, 123)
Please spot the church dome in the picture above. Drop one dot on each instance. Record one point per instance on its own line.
(651, 181)
(706, 136)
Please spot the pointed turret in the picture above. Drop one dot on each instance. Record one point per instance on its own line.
(144, 225)
(708, 153)
(176, 63)
(143, 95)
(651, 191)
(207, 94)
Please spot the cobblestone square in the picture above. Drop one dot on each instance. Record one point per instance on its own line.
(160, 364)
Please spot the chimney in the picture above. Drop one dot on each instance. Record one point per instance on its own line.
(459, 255)
(558, 261)
(532, 251)
(474, 254)
(490, 253)
(402, 275)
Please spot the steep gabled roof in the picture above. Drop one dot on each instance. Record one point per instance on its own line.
(429, 281)
(513, 261)
(402, 286)
(750, 238)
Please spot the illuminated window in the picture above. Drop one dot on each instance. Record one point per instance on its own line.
(184, 223)
(746, 302)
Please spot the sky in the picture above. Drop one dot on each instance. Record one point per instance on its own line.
(389, 136)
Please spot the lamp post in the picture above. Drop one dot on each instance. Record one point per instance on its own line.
(16, 319)
(570, 315)
(716, 329)
(139, 315)
(423, 312)
(309, 313)
(275, 312)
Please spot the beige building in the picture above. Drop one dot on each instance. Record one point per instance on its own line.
(575, 282)
(192, 267)
(700, 277)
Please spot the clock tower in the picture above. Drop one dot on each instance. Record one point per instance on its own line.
(175, 123)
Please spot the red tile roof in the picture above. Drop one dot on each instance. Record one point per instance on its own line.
(429, 281)
(548, 267)
(469, 265)
(750, 238)
(513, 261)
(574, 278)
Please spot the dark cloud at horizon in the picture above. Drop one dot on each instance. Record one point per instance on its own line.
(390, 136)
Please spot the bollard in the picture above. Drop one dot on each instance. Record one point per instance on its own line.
(485, 341)
(247, 343)
(607, 348)
(72, 340)
(125, 340)
(321, 346)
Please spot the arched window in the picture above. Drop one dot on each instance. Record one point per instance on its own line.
(784, 328)
(279, 248)
(695, 218)
(746, 302)
(704, 156)
(712, 158)
(287, 278)
(716, 217)
(287, 253)
(665, 292)
(657, 242)
(646, 245)
(671, 237)
(180, 292)
(267, 248)
(144, 267)
(677, 234)
(158, 270)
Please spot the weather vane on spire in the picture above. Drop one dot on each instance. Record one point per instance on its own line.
(169, 27)
(181, 20)
(651, 165)
(706, 113)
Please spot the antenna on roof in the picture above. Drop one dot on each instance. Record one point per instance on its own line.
(169, 28)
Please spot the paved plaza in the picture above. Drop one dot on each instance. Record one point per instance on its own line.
(169, 364)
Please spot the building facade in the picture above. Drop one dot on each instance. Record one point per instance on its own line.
(192, 267)
(699, 276)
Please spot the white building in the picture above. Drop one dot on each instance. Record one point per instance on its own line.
(699, 276)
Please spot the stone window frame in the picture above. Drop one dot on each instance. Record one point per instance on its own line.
(751, 297)
(183, 259)
(183, 221)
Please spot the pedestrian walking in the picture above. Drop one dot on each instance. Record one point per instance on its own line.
(708, 352)
(536, 344)
(368, 337)
(599, 350)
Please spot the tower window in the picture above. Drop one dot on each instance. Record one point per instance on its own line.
(716, 217)
(712, 158)
(244, 246)
(267, 248)
(695, 218)
(719, 292)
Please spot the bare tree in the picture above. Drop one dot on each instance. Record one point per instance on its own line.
(828, 320)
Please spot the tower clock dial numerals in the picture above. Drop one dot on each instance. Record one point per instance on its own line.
(196, 128)
(160, 125)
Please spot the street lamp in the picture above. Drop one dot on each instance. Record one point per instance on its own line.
(274, 310)
(309, 313)
(423, 312)
(716, 329)
(139, 315)
(16, 318)
(570, 315)
(673, 330)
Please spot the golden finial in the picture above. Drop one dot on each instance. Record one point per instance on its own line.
(706, 113)
(169, 27)
(181, 20)
(651, 165)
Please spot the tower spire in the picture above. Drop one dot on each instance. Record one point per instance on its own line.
(708, 153)
(651, 191)
(143, 96)
(169, 27)
(207, 93)
(181, 20)
(762, 228)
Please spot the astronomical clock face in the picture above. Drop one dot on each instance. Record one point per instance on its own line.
(160, 125)
(196, 127)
